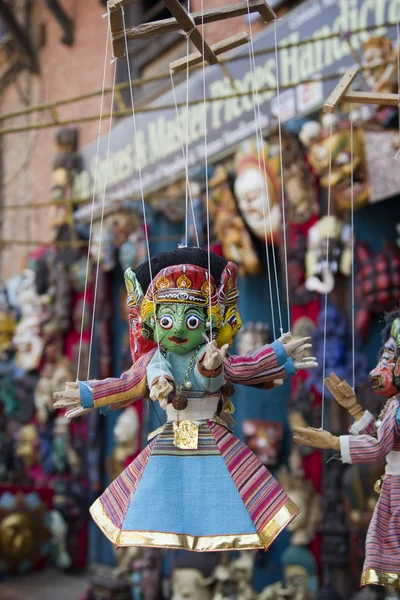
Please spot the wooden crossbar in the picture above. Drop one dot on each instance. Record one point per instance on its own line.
(190, 28)
(196, 58)
(341, 94)
(172, 24)
(340, 90)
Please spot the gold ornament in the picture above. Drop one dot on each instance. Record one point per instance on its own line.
(162, 283)
(186, 435)
(184, 282)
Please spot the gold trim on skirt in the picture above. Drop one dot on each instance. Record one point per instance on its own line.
(372, 577)
(204, 543)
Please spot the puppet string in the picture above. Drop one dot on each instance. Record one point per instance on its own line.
(259, 140)
(137, 151)
(398, 72)
(326, 267)
(187, 189)
(282, 185)
(103, 202)
(185, 161)
(353, 308)
(206, 171)
(93, 200)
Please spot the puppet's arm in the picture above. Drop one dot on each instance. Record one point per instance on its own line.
(107, 393)
(355, 449)
(344, 395)
(209, 370)
(269, 363)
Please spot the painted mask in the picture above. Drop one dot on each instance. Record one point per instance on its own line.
(377, 53)
(228, 297)
(385, 378)
(340, 177)
(229, 226)
(253, 187)
(177, 309)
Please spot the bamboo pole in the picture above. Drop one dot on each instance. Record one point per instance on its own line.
(164, 107)
(141, 81)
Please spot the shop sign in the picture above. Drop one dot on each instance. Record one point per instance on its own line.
(159, 150)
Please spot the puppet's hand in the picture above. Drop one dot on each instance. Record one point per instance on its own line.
(160, 390)
(308, 362)
(315, 438)
(344, 395)
(214, 356)
(297, 349)
(69, 398)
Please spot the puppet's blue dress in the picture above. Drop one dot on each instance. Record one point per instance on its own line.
(216, 496)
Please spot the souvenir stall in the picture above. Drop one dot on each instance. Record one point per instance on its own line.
(243, 252)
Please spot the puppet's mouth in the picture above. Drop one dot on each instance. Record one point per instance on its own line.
(175, 339)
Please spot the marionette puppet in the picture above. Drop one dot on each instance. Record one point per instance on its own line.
(371, 441)
(195, 486)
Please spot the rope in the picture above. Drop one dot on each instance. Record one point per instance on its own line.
(259, 141)
(326, 293)
(188, 195)
(101, 228)
(206, 168)
(140, 180)
(93, 199)
(282, 186)
(398, 68)
(353, 307)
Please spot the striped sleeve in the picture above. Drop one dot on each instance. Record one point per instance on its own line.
(123, 390)
(365, 426)
(369, 449)
(261, 366)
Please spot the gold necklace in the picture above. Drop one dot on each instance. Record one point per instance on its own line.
(179, 401)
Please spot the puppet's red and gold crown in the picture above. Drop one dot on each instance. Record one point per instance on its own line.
(183, 284)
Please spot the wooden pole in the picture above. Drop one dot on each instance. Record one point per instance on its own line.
(196, 58)
(341, 94)
(208, 16)
(340, 90)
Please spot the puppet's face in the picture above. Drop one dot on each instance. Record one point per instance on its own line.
(252, 189)
(179, 328)
(385, 378)
(232, 324)
(339, 179)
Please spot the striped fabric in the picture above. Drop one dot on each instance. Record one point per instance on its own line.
(118, 495)
(383, 538)
(370, 449)
(260, 492)
(206, 443)
(257, 368)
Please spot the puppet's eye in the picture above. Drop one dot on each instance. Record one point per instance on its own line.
(166, 321)
(193, 322)
(233, 321)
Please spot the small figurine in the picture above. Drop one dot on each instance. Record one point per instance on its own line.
(170, 495)
(369, 441)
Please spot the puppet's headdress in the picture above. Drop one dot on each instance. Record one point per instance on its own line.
(183, 284)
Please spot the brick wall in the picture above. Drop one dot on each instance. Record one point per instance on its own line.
(65, 72)
(27, 157)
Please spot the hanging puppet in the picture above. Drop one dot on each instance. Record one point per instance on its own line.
(195, 486)
(370, 441)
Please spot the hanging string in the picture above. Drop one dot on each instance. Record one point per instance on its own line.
(353, 304)
(274, 260)
(185, 161)
(326, 266)
(103, 202)
(206, 168)
(93, 199)
(259, 142)
(282, 185)
(136, 145)
(187, 189)
(398, 71)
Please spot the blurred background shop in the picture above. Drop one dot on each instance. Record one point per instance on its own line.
(52, 469)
